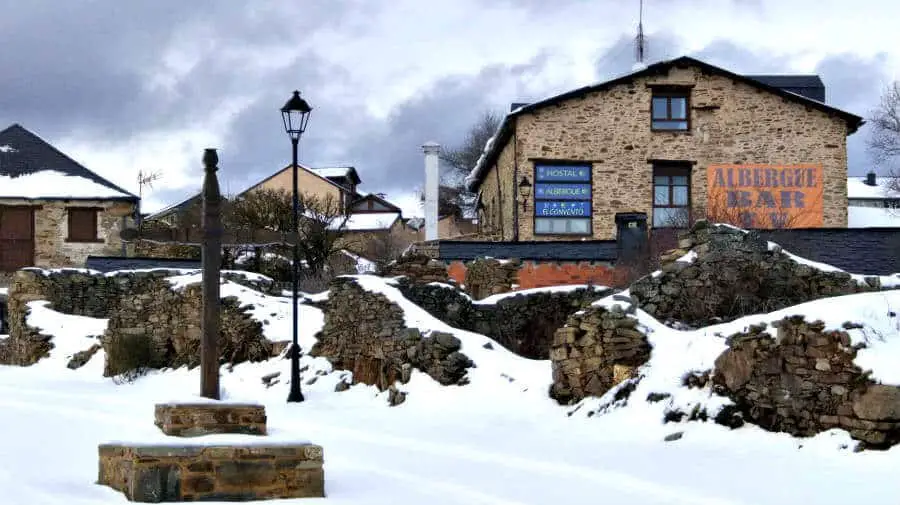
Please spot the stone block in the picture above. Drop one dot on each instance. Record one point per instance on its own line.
(196, 419)
(154, 474)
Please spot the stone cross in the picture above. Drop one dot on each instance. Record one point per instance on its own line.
(211, 257)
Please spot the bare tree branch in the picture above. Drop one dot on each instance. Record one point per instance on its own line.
(884, 142)
(458, 162)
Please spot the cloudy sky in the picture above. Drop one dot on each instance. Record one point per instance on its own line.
(133, 85)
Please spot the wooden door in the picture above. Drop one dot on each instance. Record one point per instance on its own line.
(16, 238)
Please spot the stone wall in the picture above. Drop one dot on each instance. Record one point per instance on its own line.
(734, 274)
(144, 314)
(489, 276)
(522, 323)
(597, 349)
(803, 381)
(365, 333)
(610, 130)
(154, 473)
(418, 268)
(52, 247)
(153, 249)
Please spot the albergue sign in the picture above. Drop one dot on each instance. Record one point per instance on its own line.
(766, 196)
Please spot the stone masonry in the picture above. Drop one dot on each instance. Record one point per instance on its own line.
(177, 473)
(803, 381)
(734, 274)
(524, 323)
(150, 324)
(730, 122)
(197, 419)
(365, 333)
(52, 249)
(597, 349)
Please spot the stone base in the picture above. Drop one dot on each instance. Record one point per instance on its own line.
(195, 419)
(153, 474)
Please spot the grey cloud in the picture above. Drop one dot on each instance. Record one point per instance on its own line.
(77, 66)
(386, 153)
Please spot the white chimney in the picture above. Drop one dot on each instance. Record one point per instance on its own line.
(431, 150)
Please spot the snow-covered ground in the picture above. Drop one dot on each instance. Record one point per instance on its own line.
(499, 440)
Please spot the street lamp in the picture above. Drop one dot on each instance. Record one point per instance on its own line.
(295, 114)
(524, 191)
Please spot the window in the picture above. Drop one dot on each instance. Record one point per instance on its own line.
(562, 199)
(671, 197)
(669, 110)
(82, 225)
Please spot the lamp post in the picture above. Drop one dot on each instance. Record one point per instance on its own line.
(295, 114)
(524, 191)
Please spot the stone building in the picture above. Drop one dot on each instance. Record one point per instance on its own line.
(675, 141)
(54, 212)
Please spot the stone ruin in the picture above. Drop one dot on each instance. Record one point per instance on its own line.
(734, 274)
(365, 333)
(524, 323)
(151, 325)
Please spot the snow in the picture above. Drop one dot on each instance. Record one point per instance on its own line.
(368, 221)
(872, 217)
(54, 184)
(857, 188)
(498, 440)
(332, 171)
(363, 266)
(7, 149)
(4, 291)
(887, 281)
(494, 299)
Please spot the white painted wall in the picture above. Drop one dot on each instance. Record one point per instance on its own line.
(431, 150)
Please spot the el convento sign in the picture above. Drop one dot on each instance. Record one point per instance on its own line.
(766, 196)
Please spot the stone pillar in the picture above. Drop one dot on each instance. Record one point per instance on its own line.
(211, 257)
(431, 150)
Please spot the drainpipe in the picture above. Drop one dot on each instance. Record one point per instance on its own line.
(515, 191)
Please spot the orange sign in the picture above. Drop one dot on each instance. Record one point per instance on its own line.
(766, 196)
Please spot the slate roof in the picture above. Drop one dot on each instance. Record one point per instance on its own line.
(568, 250)
(33, 154)
(868, 251)
(112, 263)
(810, 86)
(176, 207)
(507, 126)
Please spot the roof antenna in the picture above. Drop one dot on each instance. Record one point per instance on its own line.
(640, 41)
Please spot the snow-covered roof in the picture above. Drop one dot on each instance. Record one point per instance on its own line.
(333, 171)
(50, 184)
(872, 217)
(369, 221)
(31, 168)
(884, 188)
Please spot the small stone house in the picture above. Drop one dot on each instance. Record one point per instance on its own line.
(54, 212)
(675, 141)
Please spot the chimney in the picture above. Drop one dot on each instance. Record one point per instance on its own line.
(870, 178)
(431, 150)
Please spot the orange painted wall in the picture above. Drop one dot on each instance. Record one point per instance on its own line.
(540, 275)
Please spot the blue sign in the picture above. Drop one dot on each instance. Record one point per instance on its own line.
(562, 209)
(561, 173)
(545, 191)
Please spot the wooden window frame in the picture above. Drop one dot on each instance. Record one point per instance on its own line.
(669, 94)
(70, 212)
(671, 170)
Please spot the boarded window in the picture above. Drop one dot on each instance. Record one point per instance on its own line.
(82, 225)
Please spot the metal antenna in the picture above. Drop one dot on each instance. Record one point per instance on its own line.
(640, 41)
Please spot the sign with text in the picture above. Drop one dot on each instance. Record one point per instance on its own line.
(548, 191)
(766, 196)
(559, 173)
(562, 209)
